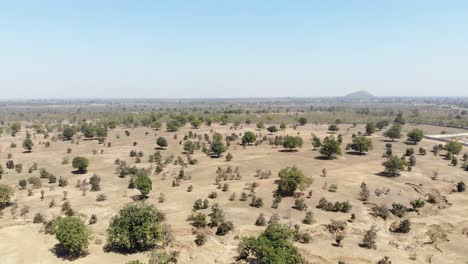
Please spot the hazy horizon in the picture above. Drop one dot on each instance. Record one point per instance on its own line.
(241, 49)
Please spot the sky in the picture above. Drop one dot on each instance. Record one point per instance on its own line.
(232, 48)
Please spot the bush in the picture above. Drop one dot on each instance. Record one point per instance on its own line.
(199, 220)
(256, 202)
(369, 238)
(309, 218)
(398, 209)
(72, 234)
(460, 186)
(300, 204)
(224, 228)
(136, 227)
(200, 239)
(381, 211)
(95, 182)
(325, 205)
(38, 218)
(261, 221)
(403, 227)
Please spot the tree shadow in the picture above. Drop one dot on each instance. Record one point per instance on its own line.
(321, 157)
(79, 172)
(409, 143)
(60, 252)
(387, 175)
(388, 140)
(356, 153)
(288, 150)
(109, 248)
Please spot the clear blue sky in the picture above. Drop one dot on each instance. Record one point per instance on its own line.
(236, 48)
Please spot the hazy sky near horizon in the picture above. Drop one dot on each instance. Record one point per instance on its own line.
(238, 48)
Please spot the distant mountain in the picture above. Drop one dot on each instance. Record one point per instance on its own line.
(360, 95)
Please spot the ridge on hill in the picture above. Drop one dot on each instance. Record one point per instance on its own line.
(360, 95)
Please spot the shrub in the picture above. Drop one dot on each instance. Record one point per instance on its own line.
(36, 182)
(200, 239)
(72, 234)
(136, 227)
(369, 238)
(460, 186)
(224, 228)
(325, 205)
(95, 182)
(403, 227)
(364, 194)
(199, 220)
(417, 203)
(398, 209)
(38, 218)
(381, 211)
(309, 218)
(22, 183)
(93, 219)
(261, 221)
(256, 202)
(300, 204)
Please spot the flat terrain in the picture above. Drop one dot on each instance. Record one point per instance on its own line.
(24, 242)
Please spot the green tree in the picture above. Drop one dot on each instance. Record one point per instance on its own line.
(196, 123)
(393, 132)
(80, 164)
(161, 142)
(361, 144)
(68, 133)
(333, 128)
(282, 126)
(15, 128)
(273, 246)
(453, 147)
(136, 227)
(393, 165)
(28, 144)
(260, 125)
(6, 192)
(399, 119)
(143, 183)
(173, 125)
(415, 135)
(292, 142)
(330, 147)
(217, 148)
(316, 143)
(381, 124)
(302, 121)
(370, 128)
(189, 146)
(73, 234)
(272, 129)
(291, 179)
(249, 138)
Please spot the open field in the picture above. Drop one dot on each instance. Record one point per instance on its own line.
(25, 242)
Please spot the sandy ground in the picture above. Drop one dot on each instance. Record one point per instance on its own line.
(24, 242)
